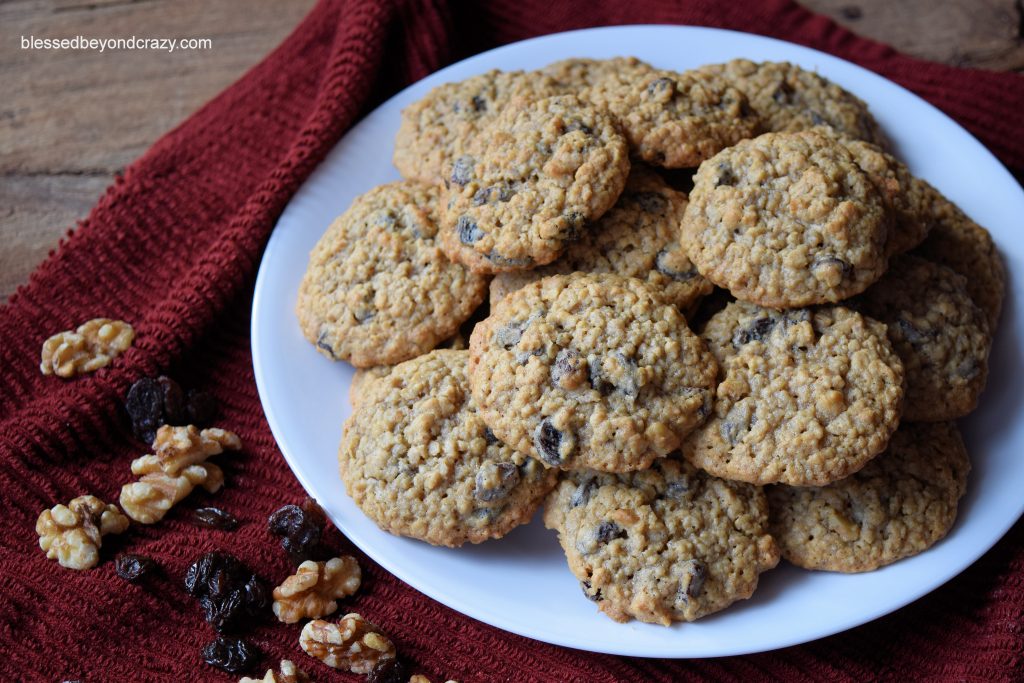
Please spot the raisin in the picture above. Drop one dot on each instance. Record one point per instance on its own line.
(609, 531)
(784, 94)
(581, 496)
(650, 202)
(587, 587)
(690, 586)
(462, 170)
(227, 590)
(200, 408)
(300, 529)
(755, 331)
(489, 436)
(574, 221)
(725, 175)
(154, 402)
(233, 655)
(495, 481)
(912, 333)
(660, 85)
(663, 263)
(134, 568)
(468, 230)
(322, 343)
(831, 270)
(215, 518)
(567, 366)
(548, 442)
(387, 670)
(676, 489)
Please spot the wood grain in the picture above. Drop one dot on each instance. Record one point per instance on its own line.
(70, 119)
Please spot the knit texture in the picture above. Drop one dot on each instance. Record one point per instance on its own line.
(173, 247)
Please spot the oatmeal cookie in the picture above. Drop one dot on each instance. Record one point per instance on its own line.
(807, 396)
(590, 371)
(378, 290)
(638, 237)
(438, 129)
(903, 502)
(419, 461)
(531, 184)
(939, 333)
(959, 243)
(579, 73)
(790, 98)
(672, 119)
(787, 220)
(666, 544)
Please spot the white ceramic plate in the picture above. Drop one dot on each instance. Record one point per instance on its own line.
(521, 583)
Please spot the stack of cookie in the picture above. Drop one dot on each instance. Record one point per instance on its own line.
(811, 417)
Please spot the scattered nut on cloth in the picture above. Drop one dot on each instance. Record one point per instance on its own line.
(314, 589)
(73, 533)
(174, 470)
(286, 673)
(353, 644)
(92, 346)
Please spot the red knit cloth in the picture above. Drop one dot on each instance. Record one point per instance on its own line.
(173, 247)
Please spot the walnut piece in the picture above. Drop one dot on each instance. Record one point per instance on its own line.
(174, 470)
(313, 590)
(92, 346)
(73, 533)
(179, 447)
(149, 499)
(286, 673)
(353, 644)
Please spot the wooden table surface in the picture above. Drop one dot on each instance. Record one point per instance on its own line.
(71, 118)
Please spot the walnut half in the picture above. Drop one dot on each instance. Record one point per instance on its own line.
(73, 533)
(286, 673)
(174, 470)
(314, 589)
(92, 346)
(353, 644)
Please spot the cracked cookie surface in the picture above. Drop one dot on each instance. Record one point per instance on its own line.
(674, 119)
(590, 371)
(377, 289)
(939, 333)
(959, 243)
(787, 220)
(790, 98)
(438, 129)
(899, 505)
(419, 461)
(638, 237)
(806, 396)
(666, 544)
(531, 184)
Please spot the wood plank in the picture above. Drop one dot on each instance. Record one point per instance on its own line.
(70, 119)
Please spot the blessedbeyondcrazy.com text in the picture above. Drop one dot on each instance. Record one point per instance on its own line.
(103, 44)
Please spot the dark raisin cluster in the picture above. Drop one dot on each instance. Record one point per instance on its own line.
(228, 591)
(154, 402)
(389, 670)
(233, 655)
(300, 528)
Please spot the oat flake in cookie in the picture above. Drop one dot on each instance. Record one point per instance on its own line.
(938, 331)
(666, 544)
(787, 220)
(791, 99)
(638, 237)
(590, 371)
(901, 504)
(439, 128)
(419, 461)
(530, 184)
(806, 397)
(378, 290)
(672, 119)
